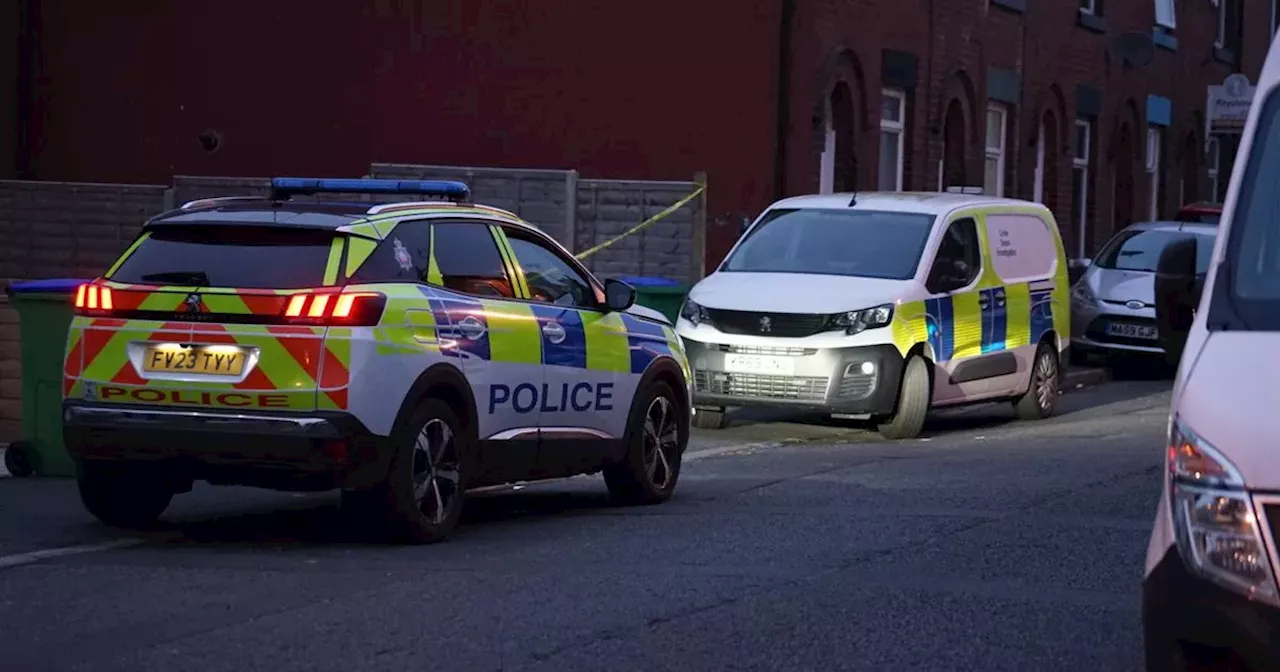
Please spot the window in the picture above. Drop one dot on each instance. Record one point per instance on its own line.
(403, 257)
(1213, 155)
(1022, 247)
(893, 105)
(1038, 190)
(997, 123)
(1253, 252)
(215, 255)
(1154, 137)
(549, 277)
(827, 165)
(1166, 13)
(959, 257)
(1088, 6)
(1140, 249)
(858, 243)
(1080, 184)
(469, 261)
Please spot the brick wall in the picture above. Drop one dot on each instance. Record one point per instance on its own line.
(59, 230)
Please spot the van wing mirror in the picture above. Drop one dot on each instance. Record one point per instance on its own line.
(1177, 293)
(618, 295)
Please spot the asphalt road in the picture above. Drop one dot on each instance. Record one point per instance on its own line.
(988, 545)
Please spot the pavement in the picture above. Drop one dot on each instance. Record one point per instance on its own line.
(987, 544)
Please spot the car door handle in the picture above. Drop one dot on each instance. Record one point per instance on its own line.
(471, 328)
(554, 332)
(984, 303)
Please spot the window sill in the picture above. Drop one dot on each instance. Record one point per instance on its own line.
(1224, 55)
(1164, 39)
(1091, 22)
(1018, 6)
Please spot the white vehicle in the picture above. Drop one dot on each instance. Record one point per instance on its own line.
(1210, 598)
(880, 306)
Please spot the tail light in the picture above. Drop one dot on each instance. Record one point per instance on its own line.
(93, 300)
(346, 309)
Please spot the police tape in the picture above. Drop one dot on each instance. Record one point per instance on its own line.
(645, 224)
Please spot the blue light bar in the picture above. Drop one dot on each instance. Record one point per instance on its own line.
(284, 187)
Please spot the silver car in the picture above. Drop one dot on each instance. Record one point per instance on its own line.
(1113, 304)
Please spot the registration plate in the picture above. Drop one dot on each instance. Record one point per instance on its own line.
(761, 364)
(200, 360)
(1132, 331)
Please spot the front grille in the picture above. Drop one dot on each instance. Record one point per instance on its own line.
(766, 350)
(795, 388)
(785, 325)
(1097, 331)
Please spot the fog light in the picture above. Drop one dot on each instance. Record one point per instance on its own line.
(868, 368)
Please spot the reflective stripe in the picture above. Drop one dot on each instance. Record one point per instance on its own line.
(509, 258)
(335, 260)
(513, 335)
(572, 350)
(116, 266)
(358, 250)
(967, 319)
(433, 269)
(608, 348)
(909, 326)
(1018, 303)
(1042, 314)
(647, 341)
(995, 319)
(940, 327)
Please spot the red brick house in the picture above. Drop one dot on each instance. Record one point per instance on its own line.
(1070, 101)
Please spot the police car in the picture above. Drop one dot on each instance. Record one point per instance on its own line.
(403, 352)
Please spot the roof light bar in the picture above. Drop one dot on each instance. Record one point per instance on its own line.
(285, 187)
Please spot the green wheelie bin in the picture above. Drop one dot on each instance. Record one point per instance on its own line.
(661, 294)
(44, 316)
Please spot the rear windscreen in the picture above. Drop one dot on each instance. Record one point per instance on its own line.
(225, 256)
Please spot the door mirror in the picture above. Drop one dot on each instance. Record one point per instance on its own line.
(1177, 293)
(618, 295)
(1076, 269)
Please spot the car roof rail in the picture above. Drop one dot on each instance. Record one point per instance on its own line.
(204, 202)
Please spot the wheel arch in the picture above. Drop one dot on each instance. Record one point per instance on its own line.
(446, 382)
(667, 370)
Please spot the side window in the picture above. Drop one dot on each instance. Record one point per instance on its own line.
(469, 261)
(551, 279)
(402, 257)
(1022, 247)
(959, 257)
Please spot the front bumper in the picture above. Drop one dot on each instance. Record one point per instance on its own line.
(827, 380)
(311, 451)
(1089, 327)
(1179, 608)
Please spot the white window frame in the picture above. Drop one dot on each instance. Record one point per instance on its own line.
(1088, 6)
(1080, 162)
(1154, 135)
(998, 153)
(1213, 159)
(1167, 14)
(897, 128)
(1038, 190)
(827, 162)
(1220, 34)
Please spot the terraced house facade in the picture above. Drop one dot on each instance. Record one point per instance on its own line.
(1095, 107)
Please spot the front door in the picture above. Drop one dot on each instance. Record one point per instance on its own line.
(957, 319)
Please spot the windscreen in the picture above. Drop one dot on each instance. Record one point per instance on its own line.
(226, 256)
(1140, 250)
(859, 243)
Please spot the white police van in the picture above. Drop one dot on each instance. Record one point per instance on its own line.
(1210, 597)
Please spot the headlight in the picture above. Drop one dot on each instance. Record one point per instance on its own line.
(855, 321)
(1217, 531)
(1082, 293)
(694, 313)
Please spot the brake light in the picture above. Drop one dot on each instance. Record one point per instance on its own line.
(93, 300)
(349, 309)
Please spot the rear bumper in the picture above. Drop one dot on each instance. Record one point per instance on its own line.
(1179, 608)
(312, 451)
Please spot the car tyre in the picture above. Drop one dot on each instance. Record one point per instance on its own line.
(656, 437)
(1043, 387)
(18, 459)
(914, 395)
(123, 495)
(711, 419)
(421, 498)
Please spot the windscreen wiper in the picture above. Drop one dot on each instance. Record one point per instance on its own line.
(194, 278)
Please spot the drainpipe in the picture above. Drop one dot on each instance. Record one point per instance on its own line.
(783, 99)
(28, 65)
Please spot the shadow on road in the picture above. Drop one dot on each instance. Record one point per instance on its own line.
(319, 520)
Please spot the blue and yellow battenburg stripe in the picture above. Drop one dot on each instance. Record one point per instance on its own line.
(1013, 316)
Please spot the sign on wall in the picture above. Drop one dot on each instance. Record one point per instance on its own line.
(1228, 105)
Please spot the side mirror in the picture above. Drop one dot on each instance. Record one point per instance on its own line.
(1177, 293)
(1076, 269)
(618, 295)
